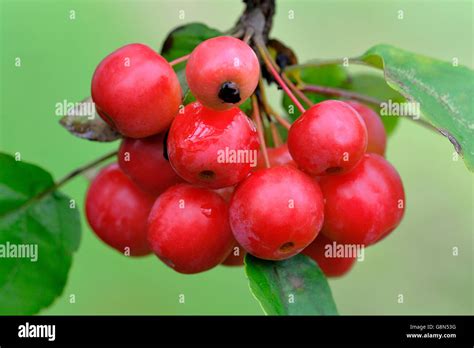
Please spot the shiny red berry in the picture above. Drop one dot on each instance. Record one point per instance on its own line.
(222, 72)
(332, 265)
(365, 204)
(188, 229)
(117, 211)
(143, 160)
(275, 213)
(329, 138)
(136, 91)
(376, 136)
(212, 148)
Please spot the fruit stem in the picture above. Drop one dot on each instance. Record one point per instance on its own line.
(271, 66)
(267, 108)
(297, 91)
(179, 60)
(258, 122)
(275, 135)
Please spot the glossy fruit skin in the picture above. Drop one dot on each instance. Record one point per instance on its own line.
(136, 91)
(329, 138)
(188, 229)
(278, 156)
(199, 136)
(117, 211)
(376, 135)
(364, 205)
(275, 213)
(218, 61)
(331, 266)
(236, 256)
(144, 162)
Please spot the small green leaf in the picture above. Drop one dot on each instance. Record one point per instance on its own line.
(182, 40)
(444, 91)
(327, 75)
(295, 286)
(47, 232)
(375, 86)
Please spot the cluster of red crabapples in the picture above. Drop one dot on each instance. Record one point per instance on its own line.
(172, 195)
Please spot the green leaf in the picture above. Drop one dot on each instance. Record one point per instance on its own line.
(375, 86)
(47, 225)
(295, 286)
(327, 75)
(445, 92)
(182, 40)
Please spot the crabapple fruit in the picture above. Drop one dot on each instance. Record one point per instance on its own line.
(364, 205)
(331, 266)
(328, 138)
(376, 136)
(136, 91)
(212, 148)
(117, 211)
(144, 162)
(188, 229)
(222, 72)
(276, 212)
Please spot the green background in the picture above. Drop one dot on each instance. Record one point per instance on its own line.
(59, 56)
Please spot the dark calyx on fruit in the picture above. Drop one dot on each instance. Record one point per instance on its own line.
(229, 92)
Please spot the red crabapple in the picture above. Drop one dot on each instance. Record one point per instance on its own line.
(236, 256)
(212, 148)
(188, 229)
(278, 156)
(117, 211)
(222, 72)
(276, 212)
(329, 138)
(364, 205)
(331, 266)
(376, 136)
(136, 91)
(143, 160)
